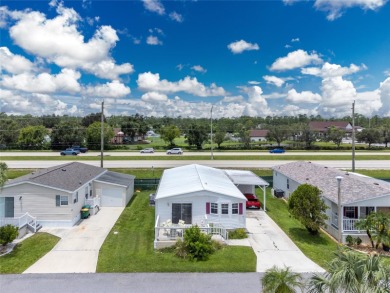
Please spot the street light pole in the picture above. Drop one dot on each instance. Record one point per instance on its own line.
(339, 208)
(211, 131)
(102, 135)
(353, 136)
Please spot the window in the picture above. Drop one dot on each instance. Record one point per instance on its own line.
(61, 200)
(288, 183)
(235, 209)
(225, 209)
(350, 212)
(214, 208)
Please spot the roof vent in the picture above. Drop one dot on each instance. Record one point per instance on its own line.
(326, 167)
(63, 169)
(307, 178)
(346, 173)
(376, 183)
(79, 182)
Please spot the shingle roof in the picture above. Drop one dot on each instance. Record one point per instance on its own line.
(116, 178)
(258, 133)
(69, 176)
(324, 125)
(354, 187)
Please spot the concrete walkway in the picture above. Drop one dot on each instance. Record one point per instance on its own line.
(78, 249)
(273, 247)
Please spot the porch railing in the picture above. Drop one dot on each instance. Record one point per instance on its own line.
(21, 221)
(349, 225)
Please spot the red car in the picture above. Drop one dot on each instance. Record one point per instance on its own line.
(253, 202)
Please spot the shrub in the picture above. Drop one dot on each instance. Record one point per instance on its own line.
(8, 233)
(358, 241)
(350, 240)
(180, 249)
(197, 244)
(239, 233)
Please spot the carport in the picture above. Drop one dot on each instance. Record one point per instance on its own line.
(247, 180)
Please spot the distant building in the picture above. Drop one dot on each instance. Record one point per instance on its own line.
(322, 127)
(258, 134)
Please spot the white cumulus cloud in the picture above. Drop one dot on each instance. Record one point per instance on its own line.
(58, 41)
(384, 93)
(151, 82)
(154, 6)
(240, 46)
(154, 97)
(295, 59)
(113, 89)
(14, 63)
(332, 70)
(199, 68)
(303, 97)
(274, 80)
(176, 16)
(335, 9)
(153, 40)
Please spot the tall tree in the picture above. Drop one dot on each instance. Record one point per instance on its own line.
(277, 280)
(169, 133)
(94, 135)
(33, 137)
(306, 206)
(197, 135)
(9, 132)
(352, 272)
(3, 174)
(91, 118)
(335, 135)
(370, 136)
(307, 136)
(67, 133)
(219, 137)
(278, 133)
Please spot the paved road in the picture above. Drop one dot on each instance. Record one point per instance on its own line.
(360, 164)
(216, 154)
(134, 283)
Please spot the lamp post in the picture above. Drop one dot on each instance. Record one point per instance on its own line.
(339, 212)
(211, 131)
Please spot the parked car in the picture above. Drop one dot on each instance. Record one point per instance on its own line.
(69, 152)
(80, 149)
(252, 201)
(72, 149)
(175, 151)
(277, 151)
(148, 150)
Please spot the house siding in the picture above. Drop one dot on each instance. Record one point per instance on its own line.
(198, 201)
(280, 182)
(40, 202)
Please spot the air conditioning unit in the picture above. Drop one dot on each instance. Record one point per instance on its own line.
(279, 193)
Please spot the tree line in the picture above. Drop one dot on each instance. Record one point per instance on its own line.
(56, 132)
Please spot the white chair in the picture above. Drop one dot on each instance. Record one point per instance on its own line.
(181, 223)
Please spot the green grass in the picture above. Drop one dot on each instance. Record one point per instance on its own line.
(131, 249)
(27, 253)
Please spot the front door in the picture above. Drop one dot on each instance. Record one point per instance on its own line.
(182, 211)
(9, 207)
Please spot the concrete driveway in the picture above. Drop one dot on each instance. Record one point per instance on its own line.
(78, 249)
(273, 247)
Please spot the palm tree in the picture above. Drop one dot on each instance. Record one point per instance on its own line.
(352, 272)
(277, 280)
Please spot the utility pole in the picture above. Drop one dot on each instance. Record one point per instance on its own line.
(102, 136)
(339, 211)
(211, 131)
(353, 136)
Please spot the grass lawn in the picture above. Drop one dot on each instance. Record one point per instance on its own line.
(27, 253)
(131, 249)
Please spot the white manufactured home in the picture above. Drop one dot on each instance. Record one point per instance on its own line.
(360, 195)
(203, 196)
(55, 196)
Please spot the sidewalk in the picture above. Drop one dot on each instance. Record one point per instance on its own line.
(78, 249)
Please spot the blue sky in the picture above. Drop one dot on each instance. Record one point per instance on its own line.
(178, 58)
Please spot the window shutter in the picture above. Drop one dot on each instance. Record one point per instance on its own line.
(58, 200)
(240, 208)
(207, 208)
(356, 212)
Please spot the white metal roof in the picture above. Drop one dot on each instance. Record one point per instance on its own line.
(242, 177)
(193, 178)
